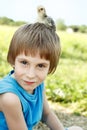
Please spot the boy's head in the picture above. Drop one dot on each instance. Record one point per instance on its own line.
(32, 38)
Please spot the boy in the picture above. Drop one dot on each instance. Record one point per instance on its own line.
(33, 53)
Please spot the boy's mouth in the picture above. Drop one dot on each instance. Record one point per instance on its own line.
(29, 82)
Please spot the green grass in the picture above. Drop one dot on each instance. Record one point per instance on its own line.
(6, 34)
(68, 85)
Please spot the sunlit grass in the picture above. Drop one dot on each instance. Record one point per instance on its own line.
(6, 34)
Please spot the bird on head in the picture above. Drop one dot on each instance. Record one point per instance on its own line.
(44, 18)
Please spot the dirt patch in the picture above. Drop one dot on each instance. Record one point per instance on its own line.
(71, 119)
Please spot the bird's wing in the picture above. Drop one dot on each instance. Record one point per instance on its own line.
(50, 22)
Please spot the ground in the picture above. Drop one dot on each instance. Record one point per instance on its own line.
(66, 117)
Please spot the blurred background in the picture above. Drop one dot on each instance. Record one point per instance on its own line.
(68, 13)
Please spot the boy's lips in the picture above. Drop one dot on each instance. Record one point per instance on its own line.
(29, 82)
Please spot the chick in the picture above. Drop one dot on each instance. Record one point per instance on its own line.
(43, 18)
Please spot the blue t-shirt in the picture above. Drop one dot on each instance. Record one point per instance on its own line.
(32, 104)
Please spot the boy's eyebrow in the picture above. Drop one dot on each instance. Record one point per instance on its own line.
(39, 62)
(21, 58)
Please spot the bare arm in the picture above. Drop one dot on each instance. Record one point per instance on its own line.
(50, 118)
(11, 107)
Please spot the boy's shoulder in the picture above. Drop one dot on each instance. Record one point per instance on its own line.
(8, 100)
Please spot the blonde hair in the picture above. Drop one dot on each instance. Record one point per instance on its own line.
(33, 38)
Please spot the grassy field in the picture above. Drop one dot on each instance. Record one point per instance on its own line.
(5, 37)
(68, 85)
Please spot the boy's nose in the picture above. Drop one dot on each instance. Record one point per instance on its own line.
(31, 72)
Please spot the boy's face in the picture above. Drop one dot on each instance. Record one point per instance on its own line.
(30, 71)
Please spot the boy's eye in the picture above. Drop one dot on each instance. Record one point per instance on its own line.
(41, 65)
(24, 62)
